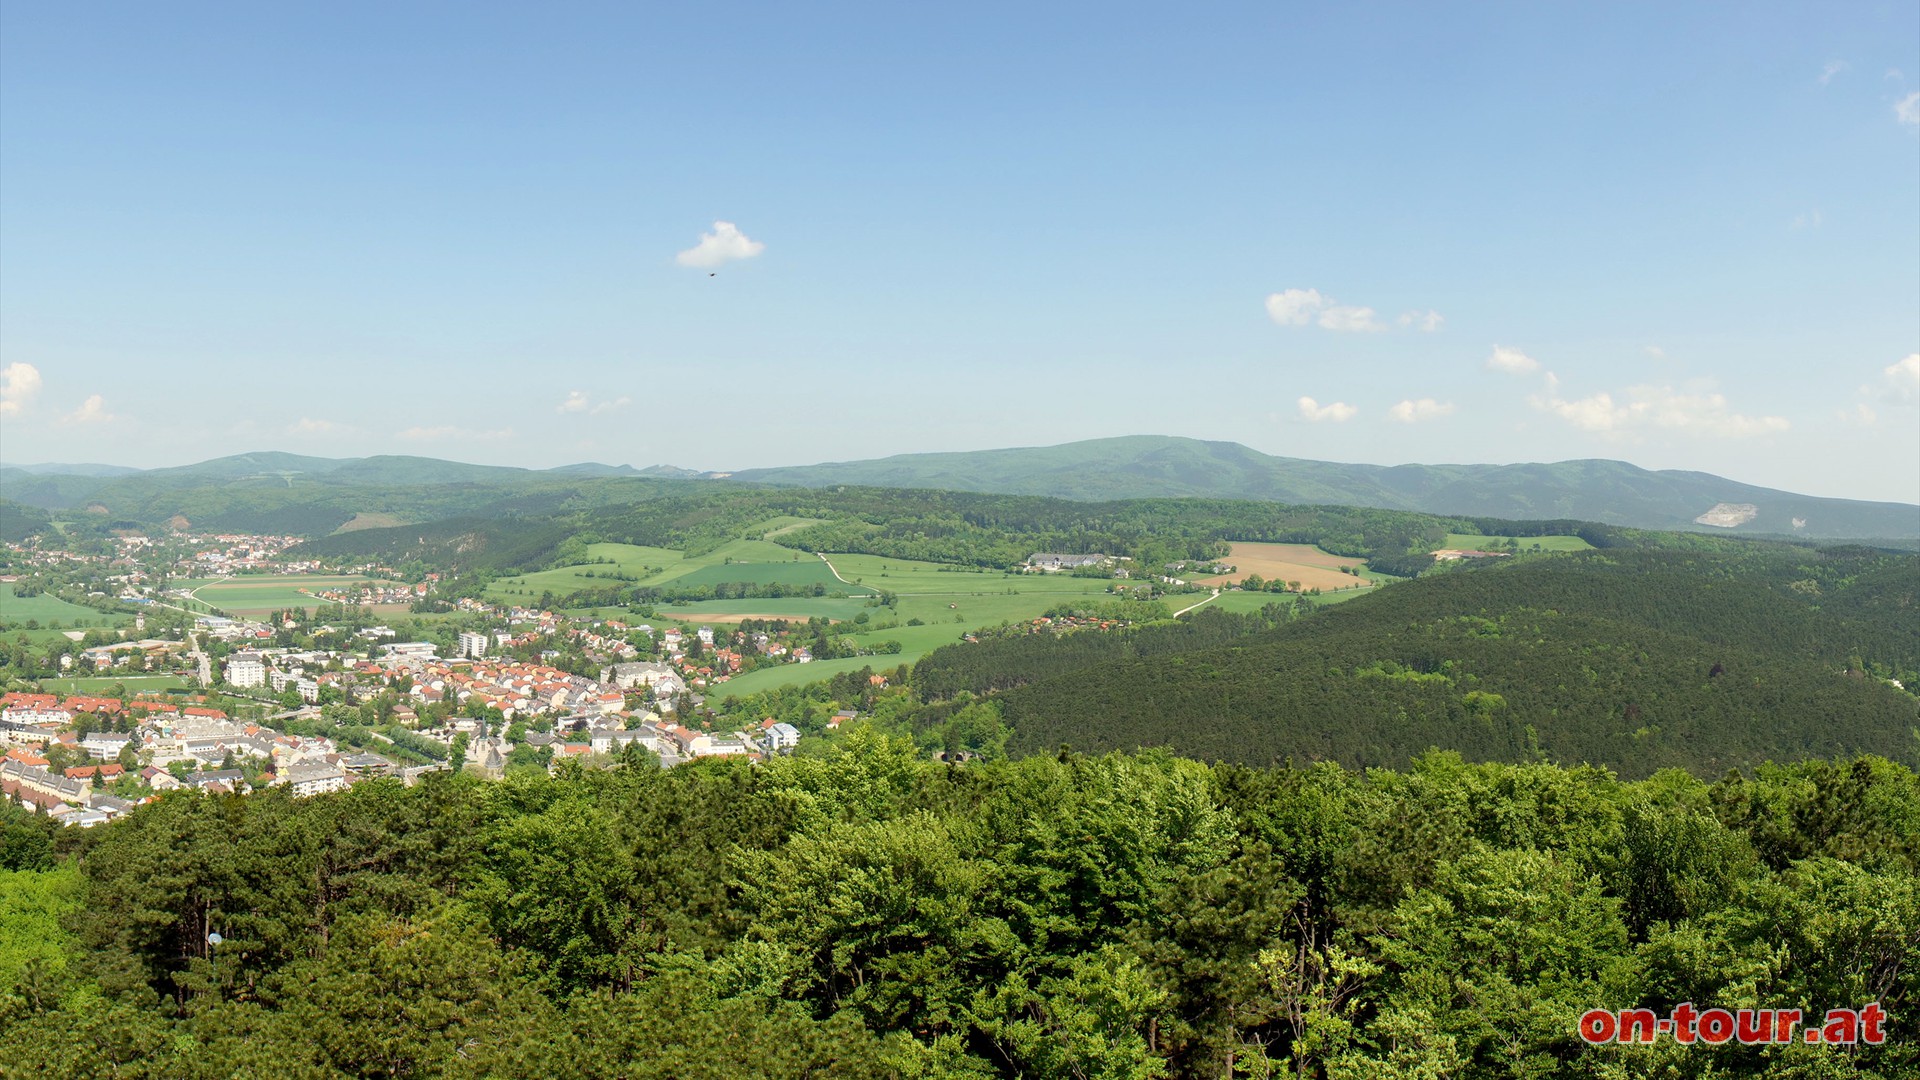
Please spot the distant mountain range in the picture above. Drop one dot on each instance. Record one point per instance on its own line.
(1130, 467)
(1151, 466)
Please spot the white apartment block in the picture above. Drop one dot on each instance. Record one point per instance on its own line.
(246, 669)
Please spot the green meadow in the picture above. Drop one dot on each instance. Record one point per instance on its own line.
(257, 595)
(47, 608)
(134, 683)
(776, 526)
(796, 608)
(631, 564)
(798, 674)
(793, 574)
(946, 600)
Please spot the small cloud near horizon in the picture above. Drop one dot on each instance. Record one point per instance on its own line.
(581, 402)
(1336, 411)
(725, 244)
(1411, 411)
(1656, 407)
(91, 411)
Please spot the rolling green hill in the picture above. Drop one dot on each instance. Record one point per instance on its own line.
(1148, 466)
(1637, 660)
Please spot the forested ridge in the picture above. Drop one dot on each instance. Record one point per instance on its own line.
(946, 526)
(869, 913)
(1637, 660)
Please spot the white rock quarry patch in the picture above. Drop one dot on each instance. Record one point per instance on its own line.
(1728, 515)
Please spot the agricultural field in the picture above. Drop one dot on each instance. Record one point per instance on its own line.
(798, 674)
(630, 564)
(366, 520)
(1476, 542)
(799, 575)
(948, 601)
(777, 526)
(1304, 563)
(260, 594)
(798, 609)
(47, 609)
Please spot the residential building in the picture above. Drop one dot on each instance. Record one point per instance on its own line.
(316, 778)
(246, 669)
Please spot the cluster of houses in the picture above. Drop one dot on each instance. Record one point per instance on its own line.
(372, 593)
(577, 737)
(1054, 562)
(190, 746)
(231, 552)
(199, 740)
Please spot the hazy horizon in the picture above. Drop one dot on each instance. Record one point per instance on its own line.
(729, 470)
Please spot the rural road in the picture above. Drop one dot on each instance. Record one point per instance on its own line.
(836, 573)
(1190, 607)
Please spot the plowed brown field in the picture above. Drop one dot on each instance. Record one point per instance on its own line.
(1303, 563)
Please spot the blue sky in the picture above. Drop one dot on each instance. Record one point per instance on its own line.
(1686, 238)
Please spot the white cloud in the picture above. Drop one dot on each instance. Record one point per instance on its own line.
(1411, 411)
(1903, 378)
(1907, 109)
(19, 382)
(723, 245)
(1861, 416)
(1833, 68)
(580, 402)
(1335, 411)
(1426, 322)
(307, 425)
(1294, 307)
(1656, 352)
(1659, 407)
(1298, 307)
(1349, 318)
(1809, 220)
(91, 411)
(445, 432)
(1511, 361)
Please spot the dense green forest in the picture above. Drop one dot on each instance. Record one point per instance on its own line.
(1637, 660)
(18, 522)
(868, 913)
